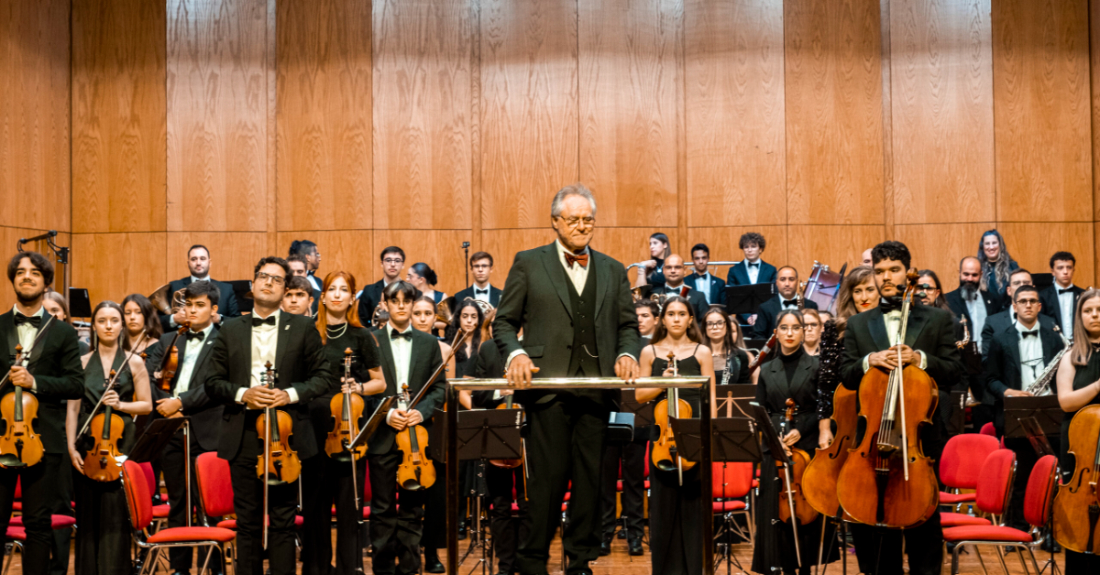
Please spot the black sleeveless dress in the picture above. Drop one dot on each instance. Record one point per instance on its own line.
(1079, 563)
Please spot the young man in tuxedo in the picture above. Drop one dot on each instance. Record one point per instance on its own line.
(1017, 357)
(1060, 298)
(786, 284)
(1004, 320)
(299, 267)
(675, 285)
(236, 378)
(752, 269)
(700, 279)
(198, 263)
(577, 315)
(393, 261)
(52, 374)
(297, 299)
(187, 397)
(408, 357)
(481, 264)
(871, 342)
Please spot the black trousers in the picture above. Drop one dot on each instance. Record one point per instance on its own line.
(507, 530)
(566, 443)
(62, 479)
(103, 540)
(248, 504)
(38, 485)
(631, 456)
(325, 483)
(394, 533)
(172, 463)
(879, 550)
(1026, 458)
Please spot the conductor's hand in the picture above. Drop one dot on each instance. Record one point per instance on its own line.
(398, 419)
(519, 372)
(792, 437)
(626, 368)
(21, 377)
(256, 397)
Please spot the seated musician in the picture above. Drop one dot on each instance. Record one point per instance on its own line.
(481, 263)
(786, 297)
(299, 267)
(370, 297)
(237, 379)
(198, 263)
(700, 278)
(1005, 319)
(143, 328)
(674, 285)
(871, 342)
(298, 299)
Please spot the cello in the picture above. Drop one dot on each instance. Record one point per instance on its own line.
(889, 465)
(279, 463)
(663, 452)
(819, 482)
(1077, 505)
(20, 446)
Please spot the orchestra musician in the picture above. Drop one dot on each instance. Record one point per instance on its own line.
(370, 298)
(312, 255)
(575, 309)
(674, 513)
(997, 265)
(481, 263)
(327, 481)
(700, 278)
(858, 293)
(1078, 381)
(652, 272)
(1060, 298)
(870, 342)
(143, 327)
(1004, 320)
(299, 267)
(103, 540)
(752, 269)
(811, 331)
(786, 286)
(236, 379)
(198, 263)
(726, 355)
(53, 374)
(297, 299)
(970, 301)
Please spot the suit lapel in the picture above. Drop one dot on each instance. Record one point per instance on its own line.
(1012, 352)
(416, 356)
(557, 275)
(918, 318)
(780, 378)
(741, 271)
(602, 287)
(802, 374)
(876, 324)
(7, 331)
(1052, 344)
(388, 369)
(207, 345)
(43, 331)
(281, 338)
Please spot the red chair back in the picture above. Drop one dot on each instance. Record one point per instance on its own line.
(995, 482)
(150, 477)
(215, 484)
(1039, 497)
(731, 480)
(366, 484)
(962, 459)
(989, 429)
(138, 498)
(19, 487)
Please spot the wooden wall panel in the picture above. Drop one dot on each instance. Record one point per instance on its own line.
(529, 109)
(506, 243)
(324, 166)
(1042, 111)
(1094, 82)
(111, 266)
(233, 255)
(440, 249)
(942, 104)
(630, 89)
(734, 113)
(834, 112)
(35, 157)
(940, 247)
(118, 116)
(220, 110)
(423, 114)
(348, 250)
(830, 244)
(1034, 255)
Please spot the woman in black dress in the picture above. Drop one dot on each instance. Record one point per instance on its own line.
(731, 363)
(327, 481)
(142, 324)
(1079, 386)
(791, 375)
(103, 540)
(675, 538)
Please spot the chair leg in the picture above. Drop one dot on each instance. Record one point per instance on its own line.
(7, 563)
(206, 562)
(1001, 556)
(1031, 552)
(1020, 556)
(954, 559)
(978, 552)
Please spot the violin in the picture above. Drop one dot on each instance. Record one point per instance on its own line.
(819, 482)
(279, 463)
(886, 480)
(347, 409)
(1077, 505)
(171, 360)
(507, 463)
(791, 484)
(102, 462)
(20, 446)
(663, 452)
(415, 472)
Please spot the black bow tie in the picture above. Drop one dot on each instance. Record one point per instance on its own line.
(1032, 333)
(198, 335)
(790, 302)
(755, 265)
(481, 291)
(35, 320)
(269, 320)
(394, 334)
(889, 304)
(1067, 290)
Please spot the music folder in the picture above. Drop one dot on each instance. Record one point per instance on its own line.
(747, 299)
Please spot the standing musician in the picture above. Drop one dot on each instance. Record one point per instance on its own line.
(143, 328)
(792, 375)
(674, 285)
(1004, 320)
(186, 396)
(408, 357)
(700, 278)
(53, 374)
(1079, 386)
(858, 293)
(752, 269)
(236, 379)
(327, 478)
(103, 540)
(1060, 298)
(297, 299)
(198, 262)
(370, 298)
(786, 284)
(971, 302)
(481, 263)
(870, 342)
(575, 309)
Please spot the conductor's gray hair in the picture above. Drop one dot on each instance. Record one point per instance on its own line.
(572, 190)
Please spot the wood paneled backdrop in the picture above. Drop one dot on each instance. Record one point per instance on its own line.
(139, 128)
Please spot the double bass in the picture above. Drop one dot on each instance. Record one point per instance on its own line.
(279, 463)
(887, 481)
(664, 452)
(820, 480)
(20, 446)
(1077, 505)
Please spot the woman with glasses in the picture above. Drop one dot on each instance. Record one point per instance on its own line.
(731, 363)
(811, 340)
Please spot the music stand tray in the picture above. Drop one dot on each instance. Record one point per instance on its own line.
(1045, 409)
(734, 439)
(643, 412)
(481, 434)
(154, 437)
(747, 299)
(376, 419)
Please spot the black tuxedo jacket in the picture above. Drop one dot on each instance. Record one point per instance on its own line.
(536, 300)
(717, 288)
(299, 363)
(426, 357)
(957, 304)
(1051, 305)
(930, 329)
(227, 300)
(1001, 321)
(765, 316)
(206, 415)
(773, 391)
(1002, 366)
(739, 274)
(369, 300)
(58, 375)
(494, 295)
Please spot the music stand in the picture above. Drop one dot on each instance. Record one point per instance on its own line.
(481, 434)
(80, 305)
(376, 419)
(733, 439)
(1041, 281)
(734, 399)
(242, 290)
(643, 413)
(745, 300)
(1044, 409)
(769, 435)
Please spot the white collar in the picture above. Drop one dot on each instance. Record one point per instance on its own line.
(1020, 327)
(39, 313)
(205, 279)
(564, 250)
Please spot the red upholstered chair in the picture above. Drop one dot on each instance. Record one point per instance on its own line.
(989, 429)
(961, 464)
(991, 497)
(18, 536)
(160, 512)
(140, 504)
(731, 486)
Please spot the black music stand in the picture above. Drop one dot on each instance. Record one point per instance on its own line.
(733, 400)
(154, 437)
(733, 439)
(643, 413)
(376, 419)
(1044, 409)
(80, 305)
(745, 300)
(481, 434)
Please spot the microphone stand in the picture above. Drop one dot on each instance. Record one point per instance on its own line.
(466, 249)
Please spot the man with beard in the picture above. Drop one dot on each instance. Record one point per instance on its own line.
(198, 263)
(970, 302)
(52, 374)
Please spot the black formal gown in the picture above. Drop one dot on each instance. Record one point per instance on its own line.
(103, 540)
(1080, 563)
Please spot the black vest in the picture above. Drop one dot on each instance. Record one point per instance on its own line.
(584, 329)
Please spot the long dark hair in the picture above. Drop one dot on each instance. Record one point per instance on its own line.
(728, 345)
(423, 270)
(152, 320)
(122, 336)
(1002, 268)
(456, 325)
(693, 326)
(941, 301)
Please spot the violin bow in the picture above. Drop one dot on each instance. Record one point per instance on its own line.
(34, 345)
(110, 384)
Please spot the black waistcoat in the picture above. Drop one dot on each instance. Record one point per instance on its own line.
(584, 329)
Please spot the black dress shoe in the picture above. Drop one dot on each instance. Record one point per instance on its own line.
(433, 565)
(635, 546)
(461, 530)
(622, 534)
(605, 545)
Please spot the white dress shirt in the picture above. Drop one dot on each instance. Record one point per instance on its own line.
(482, 294)
(753, 269)
(1031, 354)
(402, 357)
(893, 331)
(190, 357)
(28, 332)
(265, 341)
(976, 308)
(1065, 306)
(702, 285)
(313, 281)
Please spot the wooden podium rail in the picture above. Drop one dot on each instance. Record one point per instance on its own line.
(454, 386)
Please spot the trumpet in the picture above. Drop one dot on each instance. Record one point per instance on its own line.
(160, 301)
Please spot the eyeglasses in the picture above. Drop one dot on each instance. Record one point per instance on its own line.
(1027, 302)
(574, 222)
(711, 324)
(926, 287)
(393, 261)
(277, 280)
(790, 328)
